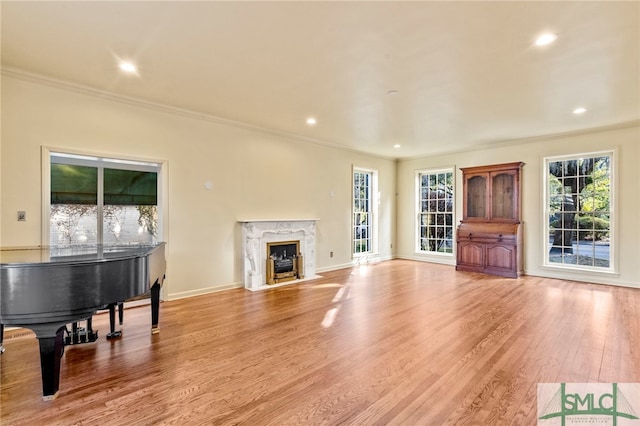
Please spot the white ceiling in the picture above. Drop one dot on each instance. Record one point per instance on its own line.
(467, 73)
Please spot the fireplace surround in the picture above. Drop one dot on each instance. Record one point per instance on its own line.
(259, 235)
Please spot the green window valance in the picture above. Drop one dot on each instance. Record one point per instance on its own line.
(130, 187)
(73, 184)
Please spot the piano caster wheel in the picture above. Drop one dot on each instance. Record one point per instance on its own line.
(1, 349)
(155, 330)
(114, 335)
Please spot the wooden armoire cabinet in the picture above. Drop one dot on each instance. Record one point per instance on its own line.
(489, 237)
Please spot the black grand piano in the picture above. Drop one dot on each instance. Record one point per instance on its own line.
(44, 289)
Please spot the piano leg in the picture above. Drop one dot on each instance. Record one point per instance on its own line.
(112, 321)
(155, 307)
(51, 350)
(89, 334)
(75, 336)
(1, 338)
(121, 312)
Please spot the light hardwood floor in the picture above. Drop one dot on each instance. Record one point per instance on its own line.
(398, 342)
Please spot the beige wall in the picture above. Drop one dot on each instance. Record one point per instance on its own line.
(244, 165)
(625, 141)
(204, 246)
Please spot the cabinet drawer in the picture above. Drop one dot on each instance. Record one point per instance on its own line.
(488, 239)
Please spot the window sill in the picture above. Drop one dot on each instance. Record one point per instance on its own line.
(432, 253)
(581, 271)
(365, 254)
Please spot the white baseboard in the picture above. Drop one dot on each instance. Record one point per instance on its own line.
(362, 260)
(335, 267)
(201, 291)
(443, 260)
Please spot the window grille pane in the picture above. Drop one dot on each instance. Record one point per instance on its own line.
(579, 221)
(73, 224)
(130, 224)
(362, 226)
(435, 233)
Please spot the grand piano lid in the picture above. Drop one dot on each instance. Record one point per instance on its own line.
(63, 254)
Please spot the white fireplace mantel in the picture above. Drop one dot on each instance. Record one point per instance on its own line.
(257, 233)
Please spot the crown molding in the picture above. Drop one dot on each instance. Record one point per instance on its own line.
(532, 139)
(21, 74)
(45, 80)
(589, 130)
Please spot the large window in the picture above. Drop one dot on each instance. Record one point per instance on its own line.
(435, 203)
(579, 219)
(102, 200)
(364, 214)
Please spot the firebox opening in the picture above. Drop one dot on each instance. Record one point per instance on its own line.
(284, 261)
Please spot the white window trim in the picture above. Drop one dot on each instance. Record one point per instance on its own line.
(122, 162)
(613, 253)
(375, 205)
(418, 212)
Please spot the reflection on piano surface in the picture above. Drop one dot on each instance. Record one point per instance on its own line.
(46, 288)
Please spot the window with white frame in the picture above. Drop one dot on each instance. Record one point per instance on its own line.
(102, 200)
(435, 205)
(364, 211)
(579, 211)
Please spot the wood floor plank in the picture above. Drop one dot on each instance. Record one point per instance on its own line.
(399, 342)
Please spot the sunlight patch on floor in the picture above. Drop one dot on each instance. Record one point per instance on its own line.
(343, 293)
(330, 317)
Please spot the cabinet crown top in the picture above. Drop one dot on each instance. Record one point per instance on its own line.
(494, 167)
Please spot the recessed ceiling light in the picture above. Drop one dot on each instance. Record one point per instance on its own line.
(397, 145)
(128, 67)
(311, 121)
(392, 92)
(580, 110)
(545, 39)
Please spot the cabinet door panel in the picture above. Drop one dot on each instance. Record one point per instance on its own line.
(501, 257)
(471, 254)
